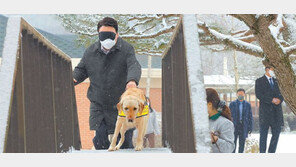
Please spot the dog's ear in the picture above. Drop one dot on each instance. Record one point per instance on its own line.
(119, 107)
(141, 107)
(142, 102)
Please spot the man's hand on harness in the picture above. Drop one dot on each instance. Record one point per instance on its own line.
(131, 84)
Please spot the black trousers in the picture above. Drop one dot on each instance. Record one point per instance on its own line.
(239, 133)
(101, 140)
(275, 131)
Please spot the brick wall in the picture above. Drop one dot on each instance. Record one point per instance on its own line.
(155, 98)
(83, 105)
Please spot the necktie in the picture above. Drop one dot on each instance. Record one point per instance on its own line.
(240, 111)
(271, 83)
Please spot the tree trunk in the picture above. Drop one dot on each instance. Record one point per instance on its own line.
(236, 73)
(276, 58)
(148, 81)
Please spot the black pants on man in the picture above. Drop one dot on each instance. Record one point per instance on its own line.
(275, 131)
(101, 140)
(239, 133)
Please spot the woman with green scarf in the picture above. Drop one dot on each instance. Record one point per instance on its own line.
(221, 126)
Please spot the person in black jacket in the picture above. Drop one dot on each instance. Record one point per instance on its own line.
(270, 110)
(111, 66)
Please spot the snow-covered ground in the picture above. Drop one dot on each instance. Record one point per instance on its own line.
(286, 144)
(145, 150)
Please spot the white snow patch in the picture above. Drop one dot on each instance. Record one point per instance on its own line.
(258, 15)
(7, 73)
(291, 28)
(196, 85)
(285, 143)
(275, 29)
(145, 150)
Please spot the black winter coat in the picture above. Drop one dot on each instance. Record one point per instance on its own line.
(269, 113)
(108, 75)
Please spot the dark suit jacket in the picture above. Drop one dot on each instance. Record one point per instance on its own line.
(247, 117)
(269, 113)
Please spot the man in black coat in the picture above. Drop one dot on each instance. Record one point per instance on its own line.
(111, 66)
(270, 110)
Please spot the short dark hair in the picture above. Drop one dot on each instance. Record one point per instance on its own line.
(108, 21)
(241, 89)
(267, 67)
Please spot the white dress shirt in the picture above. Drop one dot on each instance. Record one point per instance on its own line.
(268, 78)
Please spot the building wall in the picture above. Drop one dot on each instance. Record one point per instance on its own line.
(83, 105)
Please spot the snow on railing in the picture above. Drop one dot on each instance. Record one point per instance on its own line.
(37, 95)
(7, 72)
(196, 85)
(185, 123)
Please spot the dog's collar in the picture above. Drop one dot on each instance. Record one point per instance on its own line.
(144, 112)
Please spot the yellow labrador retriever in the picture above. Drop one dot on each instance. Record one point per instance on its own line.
(132, 112)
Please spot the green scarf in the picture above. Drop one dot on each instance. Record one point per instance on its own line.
(216, 116)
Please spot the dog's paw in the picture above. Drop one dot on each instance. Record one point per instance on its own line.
(117, 147)
(111, 148)
(139, 148)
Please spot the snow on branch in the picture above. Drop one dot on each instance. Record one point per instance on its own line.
(232, 42)
(290, 50)
(151, 35)
(137, 24)
(154, 16)
(276, 27)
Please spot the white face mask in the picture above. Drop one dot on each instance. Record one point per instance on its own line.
(271, 73)
(108, 43)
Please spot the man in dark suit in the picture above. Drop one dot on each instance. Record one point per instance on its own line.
(270, 110)
(242, 117)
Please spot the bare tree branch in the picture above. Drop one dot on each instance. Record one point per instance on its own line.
(248, 19)
(241, 33)
(248, 39)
